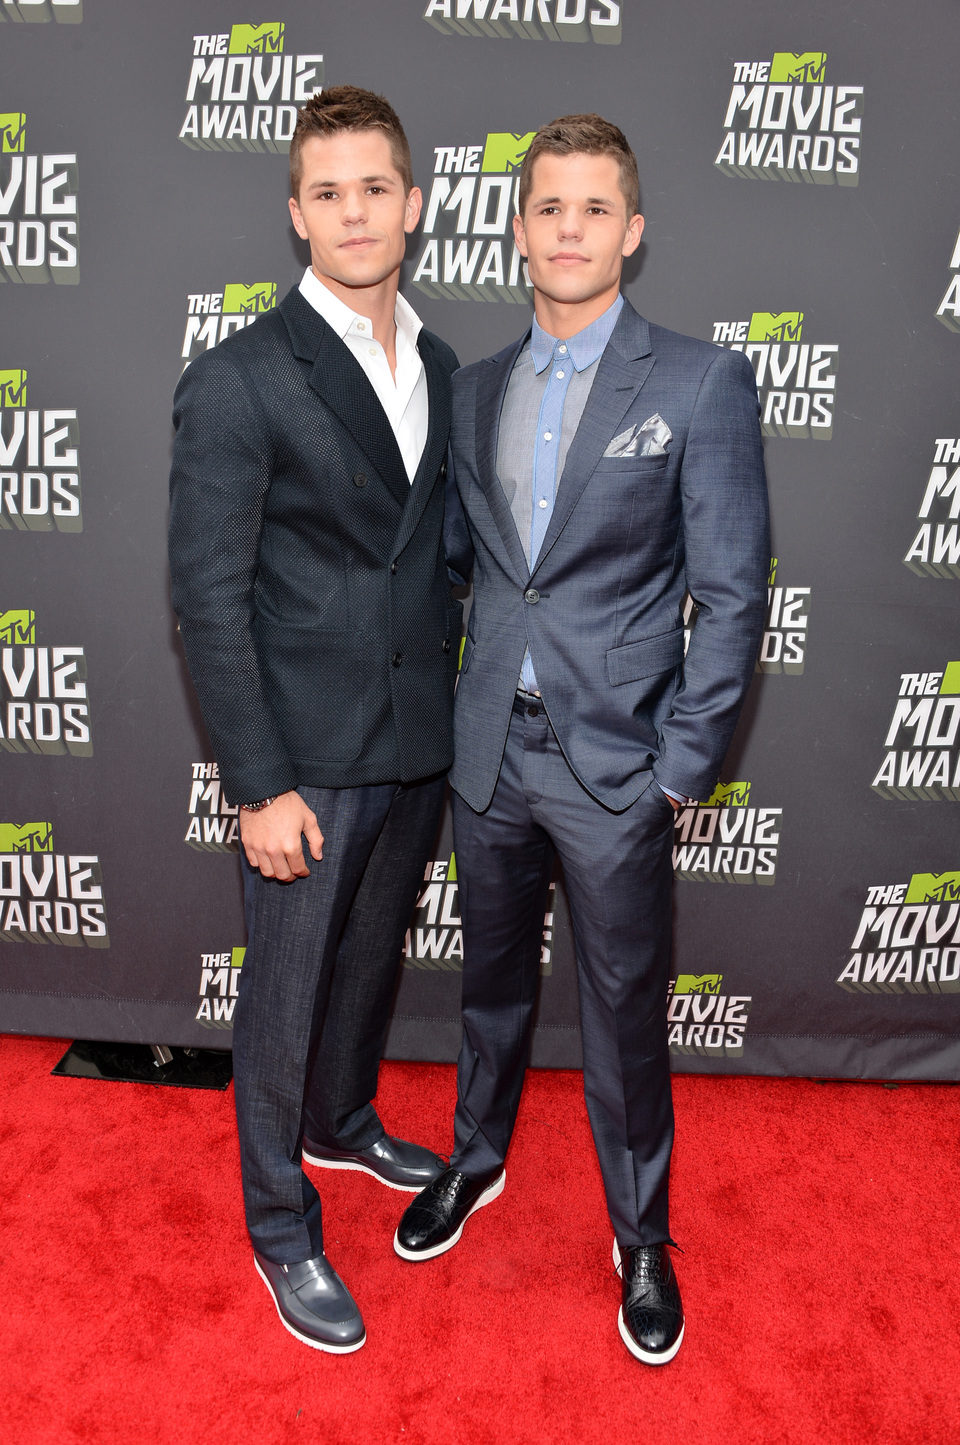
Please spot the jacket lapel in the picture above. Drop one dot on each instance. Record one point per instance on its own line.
(339, 380)
(492, 384)
(624, 366)
(435, 447)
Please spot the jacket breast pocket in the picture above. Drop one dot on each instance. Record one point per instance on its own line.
(636, 660)
(633, 468)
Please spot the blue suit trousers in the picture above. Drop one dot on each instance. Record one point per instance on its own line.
(617, 869)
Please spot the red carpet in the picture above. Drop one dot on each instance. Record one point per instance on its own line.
(821, 1281)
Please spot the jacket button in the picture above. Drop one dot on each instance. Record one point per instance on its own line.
(359, 480)
(397, 658)
(446, 644)
(531, 595)
(393, 569)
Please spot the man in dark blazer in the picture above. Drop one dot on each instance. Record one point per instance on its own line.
(603, 468)
(309, 579)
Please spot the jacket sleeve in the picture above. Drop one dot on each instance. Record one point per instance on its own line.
(222, 467)
(727, 551)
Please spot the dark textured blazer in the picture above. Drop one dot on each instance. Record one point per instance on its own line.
(307, 572)
(629, 536)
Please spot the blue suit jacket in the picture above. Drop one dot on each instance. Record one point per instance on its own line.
(629, 536)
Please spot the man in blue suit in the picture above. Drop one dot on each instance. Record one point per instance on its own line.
(603, 468)
(309, 577)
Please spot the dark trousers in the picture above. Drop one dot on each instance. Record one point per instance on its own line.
(315, 995)
(618, 874)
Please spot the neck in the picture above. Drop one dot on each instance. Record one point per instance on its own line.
(377, 303)
(564, 319)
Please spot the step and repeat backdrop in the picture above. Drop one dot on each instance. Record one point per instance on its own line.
(802, 206)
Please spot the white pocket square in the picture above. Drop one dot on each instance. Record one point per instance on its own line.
(649, 440)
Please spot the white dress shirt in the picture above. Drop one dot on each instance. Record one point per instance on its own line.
(404, 396)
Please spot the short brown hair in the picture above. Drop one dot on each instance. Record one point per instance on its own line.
(347, 107)
(583, 135)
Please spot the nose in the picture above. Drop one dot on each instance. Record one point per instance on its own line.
(354, 208)
(571, 225)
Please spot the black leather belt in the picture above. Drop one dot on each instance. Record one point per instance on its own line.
(527, 704)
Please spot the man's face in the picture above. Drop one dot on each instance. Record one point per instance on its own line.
(352, 209)
(575, 231)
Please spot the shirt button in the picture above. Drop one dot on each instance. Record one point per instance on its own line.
(531, 595)
(561, 375)
(548, 436)
(562, 350)
(359, 480)
(542, 502)
(371, 351)
(397, 658)
(361, 326)
(393, 569)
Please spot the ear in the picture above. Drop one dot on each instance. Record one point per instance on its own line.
(632, 239)
(413, 208)
(297, 218)
(520, 236)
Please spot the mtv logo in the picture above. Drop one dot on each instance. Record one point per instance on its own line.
(698, 983)
(729, 795)
(26, 837)
(951, 679)
(505, 150)
(772, 575)
(257, 39)
(13, 131)
(236, 957)
(775, 326)
(934, 888)
(798, 67)
(18, 627)
(13, 387)
(240, 299)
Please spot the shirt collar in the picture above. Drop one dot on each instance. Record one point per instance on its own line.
(344, 320)
(584, 349)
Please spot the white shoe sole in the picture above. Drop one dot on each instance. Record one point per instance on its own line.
(362, 1169)
(662, 1358)
(330, 1349)
(490, 1193)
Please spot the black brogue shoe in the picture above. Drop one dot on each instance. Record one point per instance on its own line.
(651, 1314)
(434, 1221)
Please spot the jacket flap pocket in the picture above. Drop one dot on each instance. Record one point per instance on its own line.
(645, 659)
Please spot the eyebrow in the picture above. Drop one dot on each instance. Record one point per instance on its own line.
(558, 200)
(365, 180)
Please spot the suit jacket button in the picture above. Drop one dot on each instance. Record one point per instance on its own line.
(393, 569)
(359, 480)
(531, 595)
(397, 658)
(446, 644)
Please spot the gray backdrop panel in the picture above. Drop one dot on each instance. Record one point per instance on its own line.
(785, 960)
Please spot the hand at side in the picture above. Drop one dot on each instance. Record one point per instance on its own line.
(272, 838)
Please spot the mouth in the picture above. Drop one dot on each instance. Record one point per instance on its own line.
(357, 243)
(568, 258)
